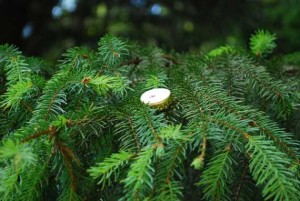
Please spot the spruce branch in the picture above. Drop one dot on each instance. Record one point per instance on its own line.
(8, 183)
(198, 162)
(16, 67)
(86, 112)
(26, 105)
(127, 130)
(68, 156)
(237, 195)
(139, 180)
(32, 186)
(68, 194)
(169, 191)
(216, 178)
(262, 43)
(170, 167)
(50, 130)
(267, 166)
(112, 50)
(14, 95)
(255, 119)
(22, 157)
(110, 166)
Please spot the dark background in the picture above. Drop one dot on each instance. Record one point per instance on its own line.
(47, 27)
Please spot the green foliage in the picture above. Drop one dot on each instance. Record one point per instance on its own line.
(220, 51)
(262, 43)
(169, 191)
(103, 84)
(110, 166)
(34, 184)
(267, 166)
(14, 94)
(139, 180)
(16, 67)
(22, 155)
(18, 157)
(62, 136)
(112, 50)
(217, 177)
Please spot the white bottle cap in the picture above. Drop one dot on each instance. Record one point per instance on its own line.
(156, 97)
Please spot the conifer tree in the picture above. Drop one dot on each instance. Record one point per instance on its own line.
(80, 132)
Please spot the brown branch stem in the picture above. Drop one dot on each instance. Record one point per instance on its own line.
(26, 105)
(241, 183)
(38, 134)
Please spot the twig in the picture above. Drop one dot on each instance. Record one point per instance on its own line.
(67, 153)
(39, 134)
(26, 105)
(241, 183)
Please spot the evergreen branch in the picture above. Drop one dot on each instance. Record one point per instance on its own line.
(268, 167)
(139, 180)
(259, 80)
(77, 57)
(218, 175)
(198, 162)
(246, 74)
(170, 166)
(147, 124)
(50, 130)
(102, 84)
(232, 124)
(288, 147)
(175, 158)
(239, 126)
(257, 120)
(22, 157)
(112, 49)
(15, 65)
(169, 191)
(237, 194)
(135, 135)
(67, 155)
(127, 131)
(68, 194)
(277, 135)
(269, 89)
(153, 58)
(87, 111)
(15, 94)
(109, 168)
(31, 186)
(54, 127)
(27, 106)
(218, 100)
(262, 43)
(8, 51)
(22, 154)
(54, 94)
(8, 183)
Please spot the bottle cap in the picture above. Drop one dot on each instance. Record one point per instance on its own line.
(156, 97)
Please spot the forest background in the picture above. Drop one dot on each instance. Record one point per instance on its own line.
(47, 28)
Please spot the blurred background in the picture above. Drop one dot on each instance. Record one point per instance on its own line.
(48, 27)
